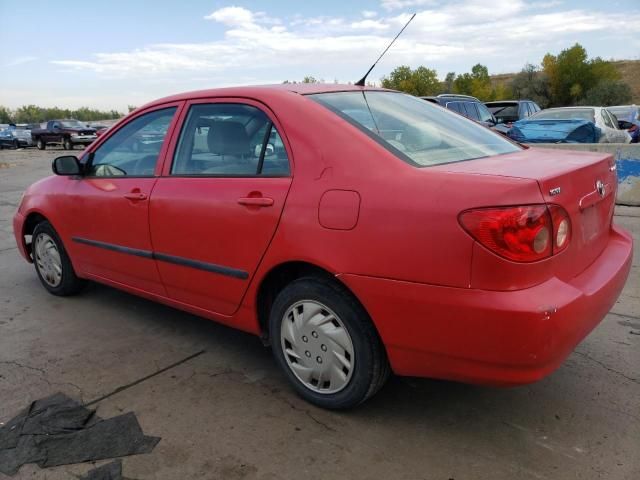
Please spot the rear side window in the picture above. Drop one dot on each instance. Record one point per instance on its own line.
(472, 112)
(455, 106)
(229, 139)
(416, 131)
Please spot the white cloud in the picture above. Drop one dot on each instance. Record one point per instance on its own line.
(369, 24)
(232, 16)
(369, 14)
(257, 46)
(398, 4)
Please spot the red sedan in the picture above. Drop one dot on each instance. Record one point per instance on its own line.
(358, 231)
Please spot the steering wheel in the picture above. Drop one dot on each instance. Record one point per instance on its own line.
(106, 170)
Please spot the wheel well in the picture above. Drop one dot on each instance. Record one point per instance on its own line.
(280, 277)
(30, 223)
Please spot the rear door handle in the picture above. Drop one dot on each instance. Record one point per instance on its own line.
(256, 201)
(135, 196)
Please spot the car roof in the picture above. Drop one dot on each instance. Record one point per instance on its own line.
(262, 91)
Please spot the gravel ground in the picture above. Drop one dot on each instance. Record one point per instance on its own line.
(228, 413)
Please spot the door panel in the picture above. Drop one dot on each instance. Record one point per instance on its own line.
(110, 233)
(204, 220)
(217, 207)
(109, 207)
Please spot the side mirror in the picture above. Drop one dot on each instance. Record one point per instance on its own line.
(67, 165)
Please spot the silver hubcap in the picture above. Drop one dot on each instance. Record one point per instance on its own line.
(48, 260)
(317, 347)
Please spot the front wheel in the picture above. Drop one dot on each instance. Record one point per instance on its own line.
(16, 144)
(52, 263)
(66, 144)
(326, 344)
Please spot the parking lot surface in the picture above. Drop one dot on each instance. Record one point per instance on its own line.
(224, 411)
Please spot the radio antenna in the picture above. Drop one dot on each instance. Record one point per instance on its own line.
(360, 83)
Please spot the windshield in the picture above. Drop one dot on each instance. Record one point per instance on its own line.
(418, 132)
(566, 114)
(73, 124)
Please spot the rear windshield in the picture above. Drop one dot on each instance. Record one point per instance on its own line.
(500, 110)
(566, 114)
(622, 113)
(418, 132)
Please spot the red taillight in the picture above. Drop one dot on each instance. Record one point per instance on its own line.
(523, 234)
(561, 228)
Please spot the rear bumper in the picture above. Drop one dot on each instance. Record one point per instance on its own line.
(492, 337)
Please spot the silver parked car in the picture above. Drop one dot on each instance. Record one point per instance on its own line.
(604, 120)
(15, 137)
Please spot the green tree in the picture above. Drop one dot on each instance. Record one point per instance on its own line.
(607, 93)
(572, 75)
(448, 84)
(531, 84)
(5, 115)
(420, 82)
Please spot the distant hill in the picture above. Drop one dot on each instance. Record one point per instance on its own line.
(629, 71)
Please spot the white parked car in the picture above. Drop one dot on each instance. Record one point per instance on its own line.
(604, 120)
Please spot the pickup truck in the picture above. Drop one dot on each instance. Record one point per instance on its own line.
(67, 133)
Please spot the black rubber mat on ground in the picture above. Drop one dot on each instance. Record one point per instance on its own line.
(58, 430)
(110, 471)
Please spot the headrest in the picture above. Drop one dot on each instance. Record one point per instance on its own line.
(228, 138)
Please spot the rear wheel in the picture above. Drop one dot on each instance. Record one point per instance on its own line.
(326, 344)
(40, 144)
(16, 144)
(66, 143)
(52, 263)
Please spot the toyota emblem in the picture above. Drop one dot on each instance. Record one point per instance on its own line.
(601, 188)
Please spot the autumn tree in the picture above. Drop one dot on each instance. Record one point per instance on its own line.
(420, 82)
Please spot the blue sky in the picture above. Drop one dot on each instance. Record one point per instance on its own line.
(114, 53)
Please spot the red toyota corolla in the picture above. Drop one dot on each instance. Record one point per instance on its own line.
(357, 230)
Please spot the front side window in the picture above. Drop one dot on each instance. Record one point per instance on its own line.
(416, 131)
(229, 139)
(134, 149)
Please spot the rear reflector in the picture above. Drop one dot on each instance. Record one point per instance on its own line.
(523, 234)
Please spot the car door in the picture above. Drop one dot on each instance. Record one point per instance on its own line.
(109, 205)
(621, 136)
(217, 205)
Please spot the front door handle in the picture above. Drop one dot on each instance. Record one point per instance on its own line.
(136, 196)
(256, 201)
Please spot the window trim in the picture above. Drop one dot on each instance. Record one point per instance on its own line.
(182, 120)
(87, 155)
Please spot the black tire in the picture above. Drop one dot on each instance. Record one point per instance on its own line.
(16, 144)
(40, 144)
(70, 284)
(67, 144)
(371, 368)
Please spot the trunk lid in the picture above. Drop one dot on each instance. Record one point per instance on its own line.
(583, 183)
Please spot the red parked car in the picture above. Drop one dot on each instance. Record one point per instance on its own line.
(357, 230)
